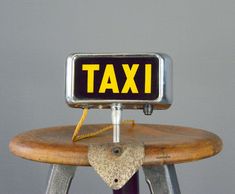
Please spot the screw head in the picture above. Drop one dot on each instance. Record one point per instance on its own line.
(117, 151)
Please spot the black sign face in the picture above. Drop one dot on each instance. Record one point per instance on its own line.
(116, 77)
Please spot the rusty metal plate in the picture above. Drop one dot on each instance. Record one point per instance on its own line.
(116, 163)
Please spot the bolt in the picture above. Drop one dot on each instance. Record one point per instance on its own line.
(117, 151)
(148, 109)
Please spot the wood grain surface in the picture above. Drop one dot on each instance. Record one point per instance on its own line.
(164, 144)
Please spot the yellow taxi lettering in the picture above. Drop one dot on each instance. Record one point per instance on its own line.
(109, 80)
(90, 68)
(148, 78)
(130, 82)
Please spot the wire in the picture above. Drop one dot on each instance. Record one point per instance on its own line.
(77, 137)
(79, 125)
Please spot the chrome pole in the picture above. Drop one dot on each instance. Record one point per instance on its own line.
(116, 121)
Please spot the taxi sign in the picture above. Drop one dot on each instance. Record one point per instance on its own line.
(134, 80)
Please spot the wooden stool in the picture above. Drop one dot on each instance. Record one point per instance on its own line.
(164, 146)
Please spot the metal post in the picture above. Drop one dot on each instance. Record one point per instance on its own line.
(60, 179)
(116, 121)
(131, 187)
(162, 179)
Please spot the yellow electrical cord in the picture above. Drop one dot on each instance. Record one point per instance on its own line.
(79, 125)
(77, 137)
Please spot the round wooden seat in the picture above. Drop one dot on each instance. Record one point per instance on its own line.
(164, 144)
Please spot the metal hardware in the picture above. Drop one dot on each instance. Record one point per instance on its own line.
(148, 109)
(162, 179)
(60, 179)
(116, 121)
(117, 151)
(116, 163)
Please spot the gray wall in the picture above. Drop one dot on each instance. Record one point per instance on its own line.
(36, 36)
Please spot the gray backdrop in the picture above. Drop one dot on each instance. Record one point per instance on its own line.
(36, 37)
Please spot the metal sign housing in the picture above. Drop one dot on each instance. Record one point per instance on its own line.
(134, 80)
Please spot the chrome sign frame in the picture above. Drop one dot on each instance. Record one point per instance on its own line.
(163, 101)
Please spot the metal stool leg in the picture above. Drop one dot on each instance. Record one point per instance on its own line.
(162, 179)
(60, 179)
